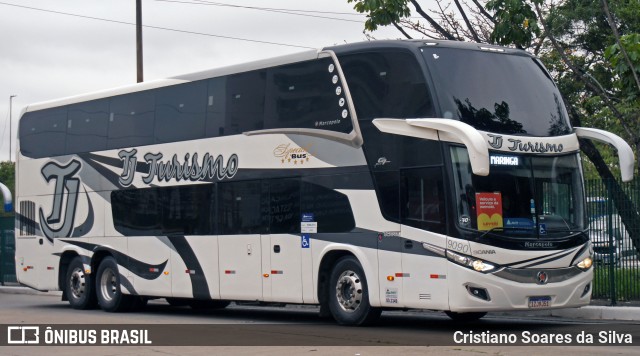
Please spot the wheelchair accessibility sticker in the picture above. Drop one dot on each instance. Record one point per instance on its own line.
(305, 242)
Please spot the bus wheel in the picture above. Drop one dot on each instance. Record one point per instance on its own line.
(79, 286)
(348, 294)
(110, 296)
(465, 316)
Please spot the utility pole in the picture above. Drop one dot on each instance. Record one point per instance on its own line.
(139, 39)
(10, 110)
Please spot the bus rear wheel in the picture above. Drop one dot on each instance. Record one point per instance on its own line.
(465, 316)
(348, 294)
(79, 286)
(110, 297)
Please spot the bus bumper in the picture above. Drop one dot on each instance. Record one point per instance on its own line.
(471, 291)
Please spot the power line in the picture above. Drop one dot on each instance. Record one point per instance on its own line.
(156, 27)
(268, 8)
(281, 11)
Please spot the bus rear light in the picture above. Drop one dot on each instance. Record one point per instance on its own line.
(391, 278)
(153, 270)
(49, 268)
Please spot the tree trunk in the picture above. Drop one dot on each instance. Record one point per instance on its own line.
(627, 210)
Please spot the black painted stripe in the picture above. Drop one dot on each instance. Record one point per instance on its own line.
(531, 259)
(586, 245)
(91, 160)
(548, 260)
(199, 284)
(139, 268)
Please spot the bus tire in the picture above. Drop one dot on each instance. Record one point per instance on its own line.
(465, 316)
(79, 286)
(348, 294)
(110, 297)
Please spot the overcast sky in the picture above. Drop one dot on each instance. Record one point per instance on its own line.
(47, 55)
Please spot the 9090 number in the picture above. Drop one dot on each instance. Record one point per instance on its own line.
(459, 246)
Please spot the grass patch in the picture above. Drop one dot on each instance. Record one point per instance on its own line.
(626, 283)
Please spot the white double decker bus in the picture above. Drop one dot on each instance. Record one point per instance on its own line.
(389, 174)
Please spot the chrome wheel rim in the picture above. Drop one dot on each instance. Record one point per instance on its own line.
(349, 291)
(108, 287)
(77, 283)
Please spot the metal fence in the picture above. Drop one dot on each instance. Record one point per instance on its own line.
(7, 250)
(616, 261)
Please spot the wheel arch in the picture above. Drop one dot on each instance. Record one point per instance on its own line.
(329, 258)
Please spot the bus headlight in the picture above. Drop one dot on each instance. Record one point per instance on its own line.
(585, 264)
(482, 266)
(470, 262)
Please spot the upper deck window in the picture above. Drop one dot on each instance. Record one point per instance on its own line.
(497, 92)
(387, 84)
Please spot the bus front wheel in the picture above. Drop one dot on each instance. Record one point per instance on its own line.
(348, 294)
(110, 297)
(79, 286)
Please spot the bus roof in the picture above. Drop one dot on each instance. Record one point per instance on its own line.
(412, 45)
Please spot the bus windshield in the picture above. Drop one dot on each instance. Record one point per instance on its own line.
(496, 92)
(523, 196)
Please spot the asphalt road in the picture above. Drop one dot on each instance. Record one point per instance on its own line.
(253, 330)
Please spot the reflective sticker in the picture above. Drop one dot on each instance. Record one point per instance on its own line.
(391, 295)
(309, 227)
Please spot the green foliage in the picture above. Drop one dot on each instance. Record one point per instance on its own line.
(516, 22)
(381, 12)
(631, 44)
(7, 177)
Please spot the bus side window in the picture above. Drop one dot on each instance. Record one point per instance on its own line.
(284, 206)
(244, 102)
(330, 209)
(306, 95)
(132, 120)
(43, 133)
(240, 208)
(87, 126)
(180, 112)
(422, 198)
(387, 84)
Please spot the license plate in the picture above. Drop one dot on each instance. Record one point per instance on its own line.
(539, 302)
